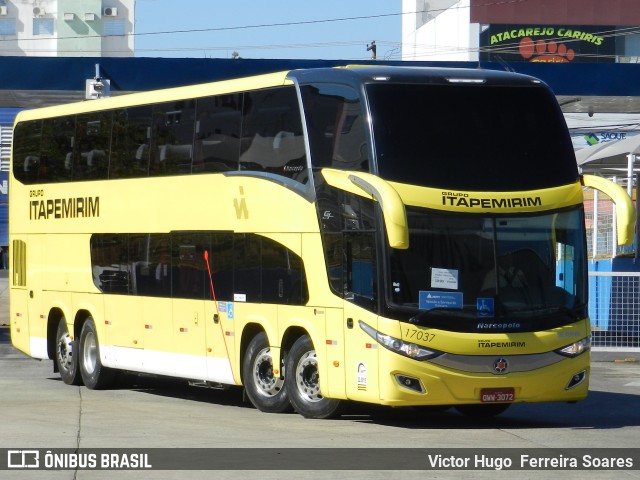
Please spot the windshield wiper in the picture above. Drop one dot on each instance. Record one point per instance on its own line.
(573, 313)
(546, 317)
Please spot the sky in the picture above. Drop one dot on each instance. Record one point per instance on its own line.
(320, 29)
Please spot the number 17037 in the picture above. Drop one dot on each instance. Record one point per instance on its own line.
(414, 334)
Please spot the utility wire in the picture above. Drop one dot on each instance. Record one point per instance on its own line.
(285, 24)
(394, 47)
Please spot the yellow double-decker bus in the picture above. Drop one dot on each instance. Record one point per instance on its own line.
(398, 236)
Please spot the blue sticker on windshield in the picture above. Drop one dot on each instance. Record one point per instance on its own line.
(485, 307)
(429, 300)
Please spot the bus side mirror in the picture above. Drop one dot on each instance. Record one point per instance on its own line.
(393, 211)
(625, 211)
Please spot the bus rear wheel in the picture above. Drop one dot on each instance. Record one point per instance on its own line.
(66, 355)
(303, 382)
(94, 374)
(265, 390)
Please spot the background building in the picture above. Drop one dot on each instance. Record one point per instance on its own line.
(438, 30)
(55, 28)
(554, 31)
(67, 28)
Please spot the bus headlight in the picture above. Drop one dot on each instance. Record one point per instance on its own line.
(576, 348)
(411, 350)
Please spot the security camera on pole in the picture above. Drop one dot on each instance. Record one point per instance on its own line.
(97, 87)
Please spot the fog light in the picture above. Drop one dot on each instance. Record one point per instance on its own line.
(576, 380)
(410, 383)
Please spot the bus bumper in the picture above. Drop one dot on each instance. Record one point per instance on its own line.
(413, 383)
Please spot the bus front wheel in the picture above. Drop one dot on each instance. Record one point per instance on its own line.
(67, 355)
(94, 375)
(265, 390)
(303, 382)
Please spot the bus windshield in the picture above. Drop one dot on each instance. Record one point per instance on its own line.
(461, 271)
(470, 137)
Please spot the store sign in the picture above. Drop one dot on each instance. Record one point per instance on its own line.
(548, 44)
(588, 138)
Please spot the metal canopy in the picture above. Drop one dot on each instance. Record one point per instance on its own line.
(611, 158)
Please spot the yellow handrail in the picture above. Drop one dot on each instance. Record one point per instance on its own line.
(625, 211)
(393, 211)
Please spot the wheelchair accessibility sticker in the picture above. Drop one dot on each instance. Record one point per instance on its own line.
(485, 307)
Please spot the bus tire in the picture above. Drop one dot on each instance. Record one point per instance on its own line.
(482, 410)
(303, 382)
(67, 355)
(265, 391)
(94, 375)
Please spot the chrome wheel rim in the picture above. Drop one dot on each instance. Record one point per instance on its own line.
(263, 377)
(65, 352)
(89, 352)
(308, 378)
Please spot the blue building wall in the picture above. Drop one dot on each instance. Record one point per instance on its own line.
(135, 74)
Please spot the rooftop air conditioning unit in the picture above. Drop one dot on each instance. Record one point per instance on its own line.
(110, 12)
(38, 11)
(3, 9)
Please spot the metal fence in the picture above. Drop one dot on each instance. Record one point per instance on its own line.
(614, 297)
(614, 309)
(600, 222)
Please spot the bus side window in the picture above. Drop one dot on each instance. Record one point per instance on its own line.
(247, 265)
(272, 139)
(172, 138)
(217, 136)
(336, 127)
(93, 144)
(348, 234)
(130, 143)
(151, 265)
(28, 166)
(360, 269)
(189, 270)
(57, 147)
(109, 263)
(221, 260)
(283, 279)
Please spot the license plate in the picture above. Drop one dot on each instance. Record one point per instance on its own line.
(497, 395)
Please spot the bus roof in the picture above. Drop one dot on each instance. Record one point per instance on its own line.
(156, 96)
(434, 75)
(352, 74)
